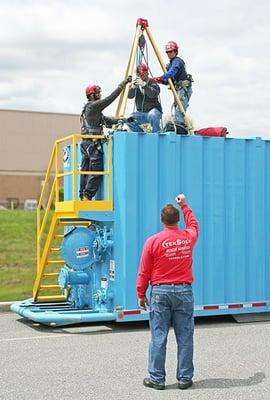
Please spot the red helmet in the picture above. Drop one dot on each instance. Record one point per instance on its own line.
(171, 46)
(92, 89)
(142, 69)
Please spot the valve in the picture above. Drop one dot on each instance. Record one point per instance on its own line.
(102, 296)
(102, 243)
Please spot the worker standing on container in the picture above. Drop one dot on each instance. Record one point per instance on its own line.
(166, 264)
(176, 70)
(146, 92)
(92, 122)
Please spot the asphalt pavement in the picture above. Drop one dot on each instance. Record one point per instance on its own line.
(109, 361)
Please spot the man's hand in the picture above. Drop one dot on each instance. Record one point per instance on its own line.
(180, 199)
(139, 82)
(125, 82)
(133, 84)
(159, 79)
(142, 302)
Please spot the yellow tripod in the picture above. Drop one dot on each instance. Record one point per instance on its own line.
(141, 26)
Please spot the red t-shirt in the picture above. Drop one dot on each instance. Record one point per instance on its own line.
(167, 256)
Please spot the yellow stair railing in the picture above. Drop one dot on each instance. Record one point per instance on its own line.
(50, 223)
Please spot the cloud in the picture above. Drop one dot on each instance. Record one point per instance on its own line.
(50, 51)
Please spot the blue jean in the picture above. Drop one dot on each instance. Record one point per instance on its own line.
(92, 160)
(171, 305)
(184, 95)
(152, 117)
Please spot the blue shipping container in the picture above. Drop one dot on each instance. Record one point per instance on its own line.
(226, 182)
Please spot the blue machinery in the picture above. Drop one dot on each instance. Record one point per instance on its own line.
(228, 187)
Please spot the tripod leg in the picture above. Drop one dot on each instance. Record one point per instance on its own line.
(122, 103)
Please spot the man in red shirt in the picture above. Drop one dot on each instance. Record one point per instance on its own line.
(166, 264)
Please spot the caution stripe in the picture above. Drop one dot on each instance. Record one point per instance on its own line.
(210, 307)
(207, 307)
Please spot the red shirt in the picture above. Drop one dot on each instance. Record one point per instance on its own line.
(167, 255)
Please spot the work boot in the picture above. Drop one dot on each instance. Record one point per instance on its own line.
(185, 385)
(181, 130)
(85, 198)
(169, 127)
(148, 383)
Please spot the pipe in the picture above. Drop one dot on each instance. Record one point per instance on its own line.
(52, 318)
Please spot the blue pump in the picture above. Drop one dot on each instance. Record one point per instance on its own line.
(87, 253)
(77, 248)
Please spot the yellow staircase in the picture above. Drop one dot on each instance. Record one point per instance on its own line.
(58, 214)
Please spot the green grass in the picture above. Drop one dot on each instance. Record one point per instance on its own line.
(17, 254)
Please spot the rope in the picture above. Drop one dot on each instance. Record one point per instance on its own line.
(140, 58)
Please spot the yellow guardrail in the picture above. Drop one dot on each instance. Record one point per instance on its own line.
(55, 172)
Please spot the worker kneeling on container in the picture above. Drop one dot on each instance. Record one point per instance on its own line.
(146, 92)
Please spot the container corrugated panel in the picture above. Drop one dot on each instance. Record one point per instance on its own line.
(227, 184)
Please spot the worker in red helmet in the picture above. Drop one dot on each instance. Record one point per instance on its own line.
(146, 92)
(176, 70)
(92, 89)
(92, 122)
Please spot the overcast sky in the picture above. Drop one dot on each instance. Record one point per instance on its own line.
(52, 49)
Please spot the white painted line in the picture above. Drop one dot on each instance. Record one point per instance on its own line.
(35, 337)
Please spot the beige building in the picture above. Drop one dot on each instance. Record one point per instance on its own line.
(26, 142)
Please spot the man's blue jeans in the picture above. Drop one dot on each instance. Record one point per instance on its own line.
(171, 305)
(184, 95)
(152, 117)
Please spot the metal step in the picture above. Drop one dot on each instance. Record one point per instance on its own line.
(59, 236)
(55, 249)
(44, 287)
(74, 223)
(48, 274)
(51, 262)
(45, 299)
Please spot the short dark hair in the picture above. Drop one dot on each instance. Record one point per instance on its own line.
(170, 215)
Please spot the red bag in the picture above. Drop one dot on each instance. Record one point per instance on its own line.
(219, 131)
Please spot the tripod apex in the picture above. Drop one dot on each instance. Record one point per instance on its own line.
(142, 22)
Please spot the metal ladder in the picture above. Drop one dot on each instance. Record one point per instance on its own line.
(51, 224)
(46, 287)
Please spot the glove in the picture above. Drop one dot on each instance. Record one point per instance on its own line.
(139, 82)
(133, 84)
(125, 82)
(159, 79)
